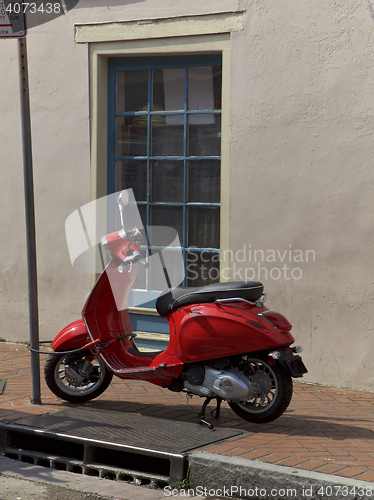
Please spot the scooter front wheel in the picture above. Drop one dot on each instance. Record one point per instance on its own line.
(272, 394)
(74, 378)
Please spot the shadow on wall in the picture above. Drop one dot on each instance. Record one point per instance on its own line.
(371, 8)
(41, 11)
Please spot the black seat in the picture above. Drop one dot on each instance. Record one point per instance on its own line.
(170, 300)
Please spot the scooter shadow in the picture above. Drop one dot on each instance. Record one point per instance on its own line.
(289, 424)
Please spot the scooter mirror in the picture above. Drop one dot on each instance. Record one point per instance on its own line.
(123, 198)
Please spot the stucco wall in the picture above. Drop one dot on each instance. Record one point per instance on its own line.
(60, 134)
(301, 178)
(302, 173)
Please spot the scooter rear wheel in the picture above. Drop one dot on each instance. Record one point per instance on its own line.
(75, 379)
(272, 395)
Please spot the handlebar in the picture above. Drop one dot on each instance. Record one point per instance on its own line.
(138, 259)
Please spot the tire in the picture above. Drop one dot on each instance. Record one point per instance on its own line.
(73, 386)
(272, 395)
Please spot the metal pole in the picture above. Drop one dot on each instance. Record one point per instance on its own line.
(30, 220)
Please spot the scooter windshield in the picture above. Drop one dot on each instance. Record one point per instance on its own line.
(160, 248)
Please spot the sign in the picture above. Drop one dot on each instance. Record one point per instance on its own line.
(12, 19)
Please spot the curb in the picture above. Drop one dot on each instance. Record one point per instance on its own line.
(222, 476)
(70, 482)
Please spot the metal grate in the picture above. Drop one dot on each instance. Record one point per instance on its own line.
(108, 444)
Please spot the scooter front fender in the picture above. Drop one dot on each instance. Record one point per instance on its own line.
(71, 337)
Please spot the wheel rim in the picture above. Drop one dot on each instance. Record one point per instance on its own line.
(67, 384)
(265, 384)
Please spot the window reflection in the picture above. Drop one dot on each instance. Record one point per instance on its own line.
(167, 139)
(203, 227)
(168, 216)
(168, 89)
(167, 182)
(167, 129)
(202, 268)
(131, 90)
(132, 174)
(131, 136)
(204, 181)
(204, 89)
(204, 135)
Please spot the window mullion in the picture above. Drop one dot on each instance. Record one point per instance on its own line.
(149, 182)
(185, 177)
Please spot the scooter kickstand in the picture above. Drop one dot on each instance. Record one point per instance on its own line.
(201, 416)
(217, 410)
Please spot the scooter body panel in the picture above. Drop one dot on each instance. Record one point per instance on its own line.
(72, 336)
(198, 332)
(105, 311)
(107, 317)
(211, 331)
(210, 345)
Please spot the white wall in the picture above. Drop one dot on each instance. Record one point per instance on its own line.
(302, 172)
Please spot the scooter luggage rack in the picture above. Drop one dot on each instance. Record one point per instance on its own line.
(258, 303)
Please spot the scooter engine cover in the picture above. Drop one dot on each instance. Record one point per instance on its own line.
(195, 374)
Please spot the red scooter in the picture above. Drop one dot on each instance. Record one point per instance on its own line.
(224, 343)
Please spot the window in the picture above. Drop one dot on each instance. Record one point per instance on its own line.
(164, 138)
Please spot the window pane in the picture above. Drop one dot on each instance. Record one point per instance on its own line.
(168, 216)
(164, 153)
(202, 268)
(167, 181)
(167, 140)
(203, 227)
(141, 279)
(204, 87)
(143, 215)
(168, 89)
(132, 91)
(131, 138)
(132, 174)
(204, 132)
(204, 178)
(172, 261)
(217, 86)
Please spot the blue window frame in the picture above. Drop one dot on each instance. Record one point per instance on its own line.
(164, 142)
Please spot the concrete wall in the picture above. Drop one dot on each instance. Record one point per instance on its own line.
(302, 172)
(301, 147)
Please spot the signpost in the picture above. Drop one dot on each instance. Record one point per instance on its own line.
(12, 25)
(12, 19)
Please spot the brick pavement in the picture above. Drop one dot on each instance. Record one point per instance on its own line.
(324, 430)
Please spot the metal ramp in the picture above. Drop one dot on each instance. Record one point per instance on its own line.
(110, 444)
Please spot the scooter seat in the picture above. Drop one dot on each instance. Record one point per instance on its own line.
(183, 296)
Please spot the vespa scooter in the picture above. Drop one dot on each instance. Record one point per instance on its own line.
(224, 343)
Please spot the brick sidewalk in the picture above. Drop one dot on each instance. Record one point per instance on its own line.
(324, 430)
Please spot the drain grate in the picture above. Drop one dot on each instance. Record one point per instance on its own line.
(95, 470)
(132, 429)
(108, 444)
(90, 457)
